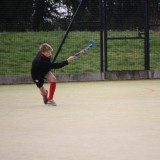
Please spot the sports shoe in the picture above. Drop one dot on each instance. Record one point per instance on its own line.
(51, 103)
(45, 99)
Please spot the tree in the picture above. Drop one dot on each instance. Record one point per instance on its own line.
(47, 14)
(21, 15)
(155, 11)
(15, 14)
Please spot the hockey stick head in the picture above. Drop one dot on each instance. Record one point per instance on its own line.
(92, 43)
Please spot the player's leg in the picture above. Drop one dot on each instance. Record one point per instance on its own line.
(43, 91)
(52, 79)
(44, 94)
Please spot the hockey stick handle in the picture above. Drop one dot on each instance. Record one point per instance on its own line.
(92, 43)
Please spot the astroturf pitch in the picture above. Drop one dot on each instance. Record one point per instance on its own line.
(108, 120)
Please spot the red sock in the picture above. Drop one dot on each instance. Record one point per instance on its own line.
(52, 90)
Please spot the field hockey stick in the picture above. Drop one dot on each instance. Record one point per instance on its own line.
(92, 43)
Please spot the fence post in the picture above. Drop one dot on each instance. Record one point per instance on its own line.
(105, 35)
(101, 35)
(146, 41)
(66, 33)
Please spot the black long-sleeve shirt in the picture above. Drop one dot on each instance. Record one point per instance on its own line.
(41, 65)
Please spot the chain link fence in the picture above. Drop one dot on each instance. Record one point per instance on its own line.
(23, 30)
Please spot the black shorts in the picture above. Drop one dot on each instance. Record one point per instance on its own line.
(39, 82)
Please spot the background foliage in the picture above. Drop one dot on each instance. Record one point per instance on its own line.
(36, 15)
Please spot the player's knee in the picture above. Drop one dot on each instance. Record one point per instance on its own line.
(53, 79)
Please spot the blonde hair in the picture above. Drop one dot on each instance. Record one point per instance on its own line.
(45, 47)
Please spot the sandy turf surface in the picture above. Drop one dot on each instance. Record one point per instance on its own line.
(111, 120)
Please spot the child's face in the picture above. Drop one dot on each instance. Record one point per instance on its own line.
(47, 53)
